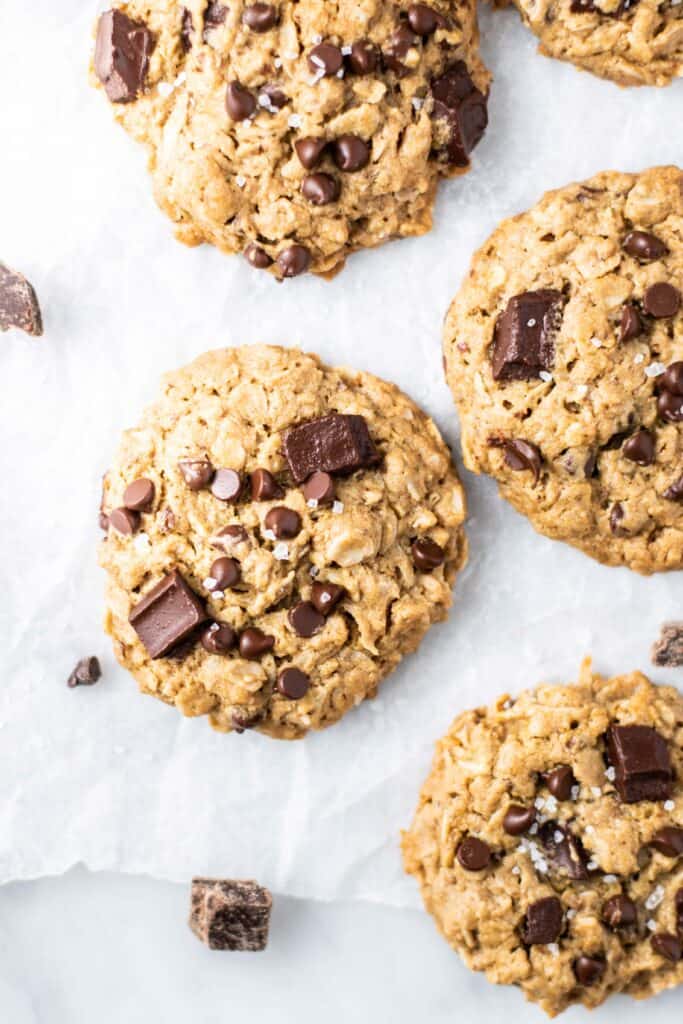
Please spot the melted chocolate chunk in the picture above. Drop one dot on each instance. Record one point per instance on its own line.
(543, 922)
(522, 455)
(122, 52)
(331, 444)
(564, 851)
(619, 912)
(462, 108)
(524, 338)
(167, 615)
(640, 757)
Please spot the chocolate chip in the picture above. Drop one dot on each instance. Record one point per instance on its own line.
(264, 486)
(560, 782)
(260, 17)
(668, 840)
(257, 257)
(124, 520)
(18, 303)
(350, 153)
(325, 59)
(239, 102)
(670, 407)
(214, 15)
(326, 596)
(254, 643)
(225, 573)
(186, 30)
(668, 946)
(668, 650)
(644, 246)
(230, 915)
(363, 58)
(86, 672)
(424, 20)
(631, 324)
(293, 683)
(522, 455)
(615, 517)
(242, 722)
(320, 189)
(319, 488)
(139, 496)
(294, 260)
(218, 638)
(474, 854)
(305, 619)
(197, 473)
(462, 109)
(518, 819)
(524, 338)
(564, 851)
(122, 52)
(229, 536)
(168, 614)
(310, 151)
(284, 522)
(619, 912)
(542, 922)
(589, 969)
(427, 554)
(661, 300)
(335, 443)
(640, 757)
(672, 378)
(399, 45)
(640, 448)
(226, 485)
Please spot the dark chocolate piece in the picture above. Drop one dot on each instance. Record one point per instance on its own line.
(18, 303)
(462, 108)
(122, 52)
(229, 914)
(640, 757)
(543, 921)
(564, 851)
(167, 615)
(86, 672)
(524, 338)
(336, 443)
(668, 650)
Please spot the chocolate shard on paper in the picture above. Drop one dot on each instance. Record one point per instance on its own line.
(462, 110)
(85, 673)
(640, 758)
(336, 443)
(668, 649)
(229, 914)
(18, 303)
(524, 337)
(167, 615)
(122, 52)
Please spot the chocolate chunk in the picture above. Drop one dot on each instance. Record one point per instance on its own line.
(564, 851)
(18, 303)
(670, 406)
(672, 378)
(305, 619)
(326, 60)
(518, 819)
(167, 615)
(294, 260)
(139, 496)
(615, 517)
(122, 52)
(668, 650)
(228, 914)
(239, 102)
(644, 246)
(224, 573)
(424, 20)
(350, 153)
(124, 521)
(226, 485)
(254, 643)
(275, 96)
(427, 554)
(320, 189)
(474, 854)
(260, 17)
(661, 300)
(522, 455)
(326, 596)
(400, 43)
(631, 324)
(640, 448)
(319, 488)
(197, 473)
(462, 109)
(310, 151)
(186, 30)
(679, 910)
(229, 536)
(214, 15)
(589, 969)
(524, 338)
(86, 672)
(284, 522)
(218, 638)
(293, 683)
(668, 841)
(668, 946)
(543, 922)
(640, 757)
(560, 782)
(257, 257)
(264, 486)
(619, 912)
(363, 58)
(332, 444)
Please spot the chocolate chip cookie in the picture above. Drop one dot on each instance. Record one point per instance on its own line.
(278, 535)
(564, 353)
(631, 42)
(548, 841)
(296, 132)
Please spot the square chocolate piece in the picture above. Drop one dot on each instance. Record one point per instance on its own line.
(640, 757)
(336, 443)
(229, 914)
(167, 615)
(524, 337)
(668, 650)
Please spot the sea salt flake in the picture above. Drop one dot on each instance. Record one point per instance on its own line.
(281, 552)
(531, 323)
(141, 543)
(534, 828)
(654, 369)
(515, 869)
(592, 865)
(596, 342)
(639, 358)
(553, 948)
(294, 121)
(596, 791)
(165, 89)
(539, 803)
(668, 805)
(313, 571)
(610, 773)
(558, 836)
(240, 181)
(571, 914)
(655, 897)
(652, 925)
(589, 830)
(312, 502)
(544, 375)
(319, 63)
(338, 507)
(209, 583)
(582, 390)
(609, 879)
(417, 103)
(269, 535)
(317, 39)
(346, 51)
(575, 792)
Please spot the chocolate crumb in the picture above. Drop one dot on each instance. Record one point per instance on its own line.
(668, 649)
(18, 303)
(86, 672)
(230, 914)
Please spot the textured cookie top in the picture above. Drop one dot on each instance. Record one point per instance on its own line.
(279, 534)
(296, 132)
(632, 42)
(564, 353)
(548, 841)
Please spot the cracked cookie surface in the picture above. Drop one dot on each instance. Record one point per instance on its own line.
(296, 132)
(564, 353)
(278, 535)
(548, 840)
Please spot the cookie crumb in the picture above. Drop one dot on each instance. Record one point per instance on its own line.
(668, 650)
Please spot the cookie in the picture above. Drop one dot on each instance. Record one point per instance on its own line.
(278, 535)
(548, 841)
(631, 42)
(296, 132)
(564, 353)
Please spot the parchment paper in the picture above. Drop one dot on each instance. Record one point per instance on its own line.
(107, 777)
